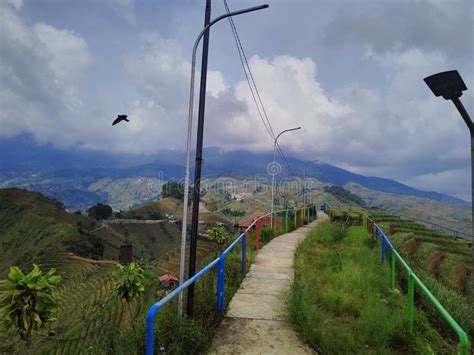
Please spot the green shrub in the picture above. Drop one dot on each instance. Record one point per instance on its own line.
(28, 302)
(131, 278)
(338, 232)
(218, 235)
(266, 234)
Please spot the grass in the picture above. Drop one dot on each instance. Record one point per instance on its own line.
(341, 303)
(443, 264)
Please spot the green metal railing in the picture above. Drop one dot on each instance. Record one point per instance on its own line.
(413, 280)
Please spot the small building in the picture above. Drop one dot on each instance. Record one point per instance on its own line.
(169, 281)
(126, 254)
(244, 224)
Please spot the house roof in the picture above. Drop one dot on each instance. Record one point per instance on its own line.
(245, 223)
(168, 278)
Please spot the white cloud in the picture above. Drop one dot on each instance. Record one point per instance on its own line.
(17, 4)
(41, 70)
(125, 9)
(68, 54)
(394, 128)
(452, 182)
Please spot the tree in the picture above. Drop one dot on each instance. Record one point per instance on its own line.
(173, 189)
(100, 211)
(131, 278)
(28, 302)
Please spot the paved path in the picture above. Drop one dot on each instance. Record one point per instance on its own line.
(255, 322)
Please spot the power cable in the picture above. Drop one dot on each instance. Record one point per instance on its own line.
(256, 94)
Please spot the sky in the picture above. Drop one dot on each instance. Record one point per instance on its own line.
(348, 72)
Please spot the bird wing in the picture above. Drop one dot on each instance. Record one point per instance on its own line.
(117, 120)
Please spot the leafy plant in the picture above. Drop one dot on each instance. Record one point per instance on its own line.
(218, 235)
(27, 302)
(131, 279)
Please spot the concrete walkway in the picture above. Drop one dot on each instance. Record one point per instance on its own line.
(256, 321)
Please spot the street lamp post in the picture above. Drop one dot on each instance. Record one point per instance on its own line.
(192, 252)
(450, 85)
(275, 142)
(304, 183)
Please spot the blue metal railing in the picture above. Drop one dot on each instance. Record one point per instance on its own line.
(220, 262)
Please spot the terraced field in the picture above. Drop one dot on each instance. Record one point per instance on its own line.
(440, 260)
(90, 314)
(170, 262)
(150, 241)
(92, 318)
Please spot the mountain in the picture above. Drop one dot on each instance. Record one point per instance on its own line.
(80, 178)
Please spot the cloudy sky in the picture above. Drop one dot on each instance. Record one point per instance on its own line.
(349, 72)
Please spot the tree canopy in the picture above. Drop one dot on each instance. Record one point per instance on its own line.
(100, 211)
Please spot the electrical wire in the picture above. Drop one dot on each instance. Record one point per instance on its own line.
(245, 66)
(256, 94)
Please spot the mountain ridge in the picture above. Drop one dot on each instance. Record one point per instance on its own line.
(61, 173)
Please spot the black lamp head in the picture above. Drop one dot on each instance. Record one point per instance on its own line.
(448, 84)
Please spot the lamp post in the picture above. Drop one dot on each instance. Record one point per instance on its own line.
(304, 182)
(275, 142)
(450, 85)
(192, 252)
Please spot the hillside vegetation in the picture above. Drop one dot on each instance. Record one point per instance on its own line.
(453, 215)
(92, 318)
(171, 207)
(34, 228)
(442, 262)
(341, 303)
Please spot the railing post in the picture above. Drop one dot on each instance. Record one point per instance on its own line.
(286, 221)
(220, 284)
(244, 254)
(411, 300)
(392, 271)
(274, 224)
(257, 235)
(382, 256)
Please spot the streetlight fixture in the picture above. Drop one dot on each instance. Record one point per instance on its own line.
(275, 142)
(450, 85)
(192, 253)
(304, 181)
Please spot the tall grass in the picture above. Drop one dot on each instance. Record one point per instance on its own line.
(341, 303)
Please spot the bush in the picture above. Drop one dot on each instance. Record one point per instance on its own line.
(131, 278)
(219, 236)
(266, 234)
(338, 232)
(28, 302)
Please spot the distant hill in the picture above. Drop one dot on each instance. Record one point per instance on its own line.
(76, 177)
(37, 229)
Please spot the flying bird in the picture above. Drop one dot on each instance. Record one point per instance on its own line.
(119, 119)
